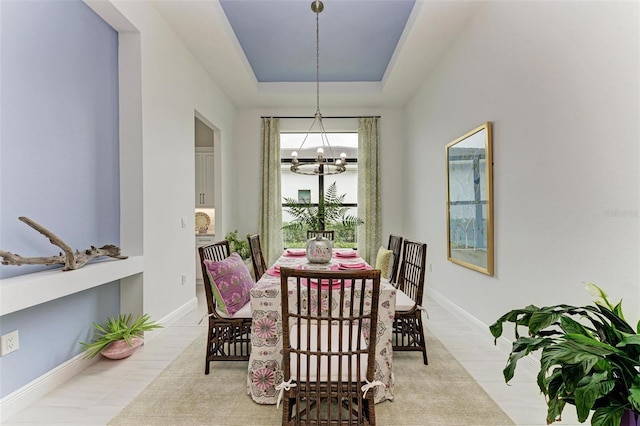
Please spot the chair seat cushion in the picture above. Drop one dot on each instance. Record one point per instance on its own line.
(320, 335)
(244, 312)
(383, 262)
(403, 302)
(230, 283)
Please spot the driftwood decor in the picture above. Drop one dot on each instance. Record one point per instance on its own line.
(70, 259)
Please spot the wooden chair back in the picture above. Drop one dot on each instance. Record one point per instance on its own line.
(257, 258)
(327, 349)
(216, 252)
(327, 234)
(412, 270)
(395, 245)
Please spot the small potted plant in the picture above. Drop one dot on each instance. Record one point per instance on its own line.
(119, 337)
(242, 248)
(590, 358)
(238, 245)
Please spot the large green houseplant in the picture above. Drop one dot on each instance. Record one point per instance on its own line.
(122, 328)
(329, 210)
(590, 358)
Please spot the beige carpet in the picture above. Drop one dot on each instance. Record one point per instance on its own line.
(440, 394)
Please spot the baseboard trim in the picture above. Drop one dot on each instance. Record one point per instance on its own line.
(503, 343)
(174, 316)
(19, 399)
(37, 388)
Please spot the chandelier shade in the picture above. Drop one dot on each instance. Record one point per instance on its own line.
(326, 162)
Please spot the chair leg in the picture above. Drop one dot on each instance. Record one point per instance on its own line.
(423, 342)
(207, 355)
(286, 411)
(371, 412)
(408, 335)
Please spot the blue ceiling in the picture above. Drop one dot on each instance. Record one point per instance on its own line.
(357, 38)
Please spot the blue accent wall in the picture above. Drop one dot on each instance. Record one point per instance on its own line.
(50, 333)
(59, 133)
(59, 165)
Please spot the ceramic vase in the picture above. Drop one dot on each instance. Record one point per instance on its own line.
(319, 249)
(121, 349)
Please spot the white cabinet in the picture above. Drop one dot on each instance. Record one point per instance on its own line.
(202, 240)
(204, 177)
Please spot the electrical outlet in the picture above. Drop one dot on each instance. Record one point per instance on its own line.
(183, 222)
(184, 279)
(9, 342)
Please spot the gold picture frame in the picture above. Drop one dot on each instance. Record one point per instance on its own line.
(470, 200)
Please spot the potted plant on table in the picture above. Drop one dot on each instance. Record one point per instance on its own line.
(119, 337)
(330, 211)
(590, 358)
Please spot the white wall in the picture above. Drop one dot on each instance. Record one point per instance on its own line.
(173, 87)
(559, 80)
(247, 140)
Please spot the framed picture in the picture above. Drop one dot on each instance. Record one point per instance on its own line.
(470, 200)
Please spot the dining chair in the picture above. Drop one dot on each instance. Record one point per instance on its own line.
(408, 330)
(395, 245)
(323, 233)
(328, 355)
(229, 336)
(257, 258)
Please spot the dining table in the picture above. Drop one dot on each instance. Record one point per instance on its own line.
(265, 361)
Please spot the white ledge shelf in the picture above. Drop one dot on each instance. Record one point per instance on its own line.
(24, 291)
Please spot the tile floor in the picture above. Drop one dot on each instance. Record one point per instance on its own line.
(97, 394)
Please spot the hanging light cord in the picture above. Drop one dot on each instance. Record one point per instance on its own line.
(321, 166)
(317, 57)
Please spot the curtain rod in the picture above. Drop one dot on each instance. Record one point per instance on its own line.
(308, 118)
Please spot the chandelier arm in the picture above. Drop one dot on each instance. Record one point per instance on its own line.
(324, 138)
(313, 123)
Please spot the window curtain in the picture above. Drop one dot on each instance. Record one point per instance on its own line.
(270, 199)
(369, 206)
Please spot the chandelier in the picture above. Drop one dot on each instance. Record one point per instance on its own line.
(325, 163)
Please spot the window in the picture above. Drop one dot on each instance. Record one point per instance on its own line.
(309, 188)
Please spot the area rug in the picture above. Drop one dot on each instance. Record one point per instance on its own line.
(439, 394)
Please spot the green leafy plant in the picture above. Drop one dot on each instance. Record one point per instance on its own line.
(590, 357)
(121, 328)
(330, 210)
(344, 237)
(238, 245)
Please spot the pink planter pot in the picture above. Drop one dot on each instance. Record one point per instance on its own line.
(629, 418)
(121, 349)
